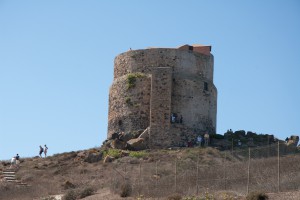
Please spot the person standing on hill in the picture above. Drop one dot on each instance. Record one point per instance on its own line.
(206, 139)
(45, 150)
(41, 151)
(13, 163)
(199, 140)
(17, 160)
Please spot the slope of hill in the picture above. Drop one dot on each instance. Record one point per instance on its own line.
(110, 174)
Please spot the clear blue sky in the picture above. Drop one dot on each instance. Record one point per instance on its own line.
(56, 64)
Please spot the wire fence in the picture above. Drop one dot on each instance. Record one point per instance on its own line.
(273, 168)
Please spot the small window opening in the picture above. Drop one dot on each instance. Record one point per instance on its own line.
(205, 86)
(191, 48)
(120, 122)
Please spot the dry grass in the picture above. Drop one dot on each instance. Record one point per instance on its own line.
(156, 174)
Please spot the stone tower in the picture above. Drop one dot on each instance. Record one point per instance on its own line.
(169, 92)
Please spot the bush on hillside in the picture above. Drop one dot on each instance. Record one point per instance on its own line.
(138, 154)
(257, 195)
(217, 136)
(71, 195)
(174, 197)
(125, 190)
(116, 153)
(87, 192)
(68, 185)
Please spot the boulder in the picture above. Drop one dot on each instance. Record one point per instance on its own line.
(291, 143)
(107, 144)
(108, 159)
(93, 157)
(114, 136)
(124, 153)
(126, 136)
(81, 154)
(137, 144)
(118, 144)
(294, 139)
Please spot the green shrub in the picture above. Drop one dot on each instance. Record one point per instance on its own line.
(131, 79)
(138, 154)
(257, 195)
(87, 192)
(125, 190)
(116, 153)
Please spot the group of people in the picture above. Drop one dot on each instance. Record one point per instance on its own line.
(15, 161)
(203, 140)
(43, 150)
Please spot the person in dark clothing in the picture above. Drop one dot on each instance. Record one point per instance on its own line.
(41, 151)
(180, 119)
(17, 160)
(286, 139)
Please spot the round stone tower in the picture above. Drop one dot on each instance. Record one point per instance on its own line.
(168, 91)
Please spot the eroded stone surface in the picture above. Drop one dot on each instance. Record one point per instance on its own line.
(152, 84)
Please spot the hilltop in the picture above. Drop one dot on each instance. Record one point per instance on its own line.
(111, 173)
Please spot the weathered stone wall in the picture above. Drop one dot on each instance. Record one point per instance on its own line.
(181, 61)
(176, 81)
(160, 110)
(196, 105)
(129, 108)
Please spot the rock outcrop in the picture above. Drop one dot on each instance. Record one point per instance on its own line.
(129, 141)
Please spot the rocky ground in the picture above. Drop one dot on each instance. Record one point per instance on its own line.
(87, 174)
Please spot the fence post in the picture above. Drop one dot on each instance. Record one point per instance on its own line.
(268, 145)
(156, 176)
(278, 189)
(175, 175)
(197, 178)
(111, 180)
(140, 173)
(225, 170)
(248, 179)
(125, 172)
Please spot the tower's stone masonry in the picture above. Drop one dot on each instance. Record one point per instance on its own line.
(153, 84)
(160, 110)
